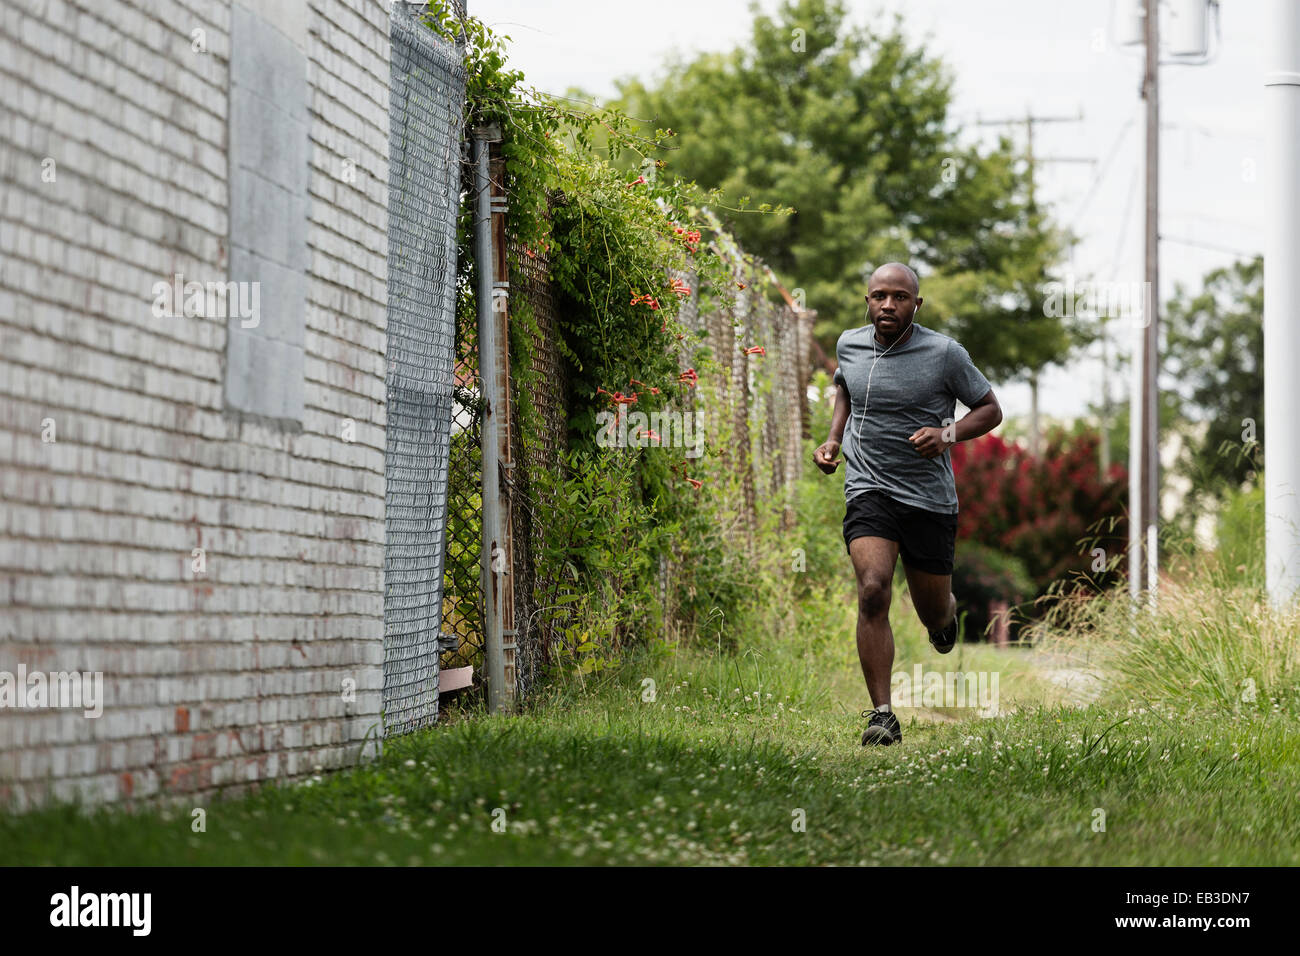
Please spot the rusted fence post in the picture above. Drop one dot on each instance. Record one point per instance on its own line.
(505, 445)
(493, 554)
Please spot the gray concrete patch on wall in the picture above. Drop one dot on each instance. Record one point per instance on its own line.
(268, 158)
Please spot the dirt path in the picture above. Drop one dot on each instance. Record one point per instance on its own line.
(1080, 682)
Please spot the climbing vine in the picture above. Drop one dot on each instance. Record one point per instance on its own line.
(620, 247)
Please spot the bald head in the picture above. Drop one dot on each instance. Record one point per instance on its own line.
(892, 273)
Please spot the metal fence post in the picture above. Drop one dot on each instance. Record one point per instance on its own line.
(493, 559)
(504, 418)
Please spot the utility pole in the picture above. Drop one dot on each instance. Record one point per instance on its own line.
(1282, 305)
(1029, 120)
(1104, 450)
(1189, 44)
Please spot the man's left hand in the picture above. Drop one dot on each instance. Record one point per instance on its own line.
(929, 442)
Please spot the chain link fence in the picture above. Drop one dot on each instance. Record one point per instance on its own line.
(547, 392)
(463, 605)
(754, 406)
(426, 102)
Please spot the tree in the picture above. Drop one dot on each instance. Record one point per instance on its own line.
(849, 125)
(1215, 352)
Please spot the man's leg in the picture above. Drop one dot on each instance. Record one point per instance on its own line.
(873, 563)
(932, 595)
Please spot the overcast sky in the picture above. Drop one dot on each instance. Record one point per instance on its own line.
(1048, 57)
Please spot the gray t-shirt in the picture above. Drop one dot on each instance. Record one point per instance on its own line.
(913, 385)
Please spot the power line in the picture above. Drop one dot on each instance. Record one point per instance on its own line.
(1104, 168)
(1029, 121)
(1213, 247)
(1124, 223)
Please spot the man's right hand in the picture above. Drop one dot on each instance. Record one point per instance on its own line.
(826, 456)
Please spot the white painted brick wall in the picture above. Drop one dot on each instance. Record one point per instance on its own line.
(232, 676)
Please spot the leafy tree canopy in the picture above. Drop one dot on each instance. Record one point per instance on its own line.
(849, 125)
(1214, 351)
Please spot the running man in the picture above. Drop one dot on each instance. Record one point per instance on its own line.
(896, 386)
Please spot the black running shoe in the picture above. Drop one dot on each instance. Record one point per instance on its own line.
(944, 641)
(882, 728)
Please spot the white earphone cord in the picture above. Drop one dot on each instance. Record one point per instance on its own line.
(857, 444)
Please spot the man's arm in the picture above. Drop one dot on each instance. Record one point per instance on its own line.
(825, 457)
(984, 416)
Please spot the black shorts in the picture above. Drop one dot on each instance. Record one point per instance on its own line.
(927, 539)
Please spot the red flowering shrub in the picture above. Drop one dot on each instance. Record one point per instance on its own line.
(1049, 513)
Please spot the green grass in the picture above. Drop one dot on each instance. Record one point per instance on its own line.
(715, 769)
(1208, 648)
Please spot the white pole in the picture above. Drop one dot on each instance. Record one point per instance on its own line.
(1137, 406)
(1135, 517)
(1151, 314)
(1282, 303)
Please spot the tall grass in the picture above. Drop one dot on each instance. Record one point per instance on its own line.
(1213, 639)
